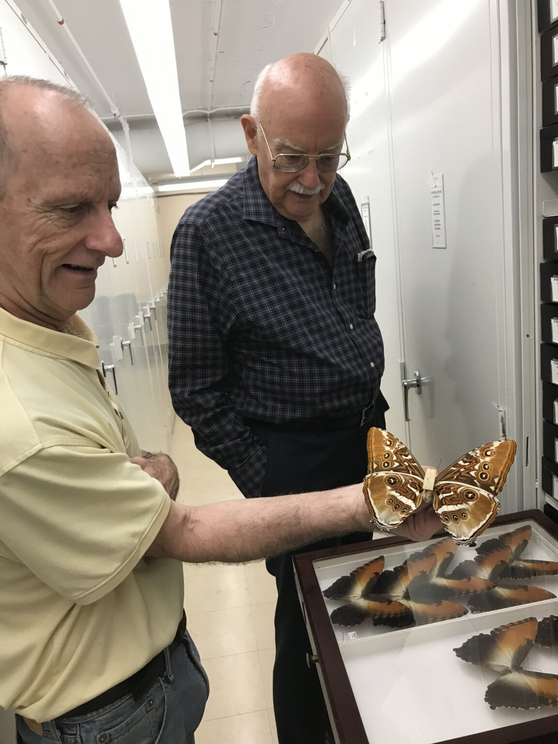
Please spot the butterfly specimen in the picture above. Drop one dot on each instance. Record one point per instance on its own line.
(499, 560)
(504, 650)
(463, 495)
(417, 591)
(517, 567)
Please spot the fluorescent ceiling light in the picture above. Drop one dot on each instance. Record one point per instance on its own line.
(216, 161)
(150, 26)
(213, 183)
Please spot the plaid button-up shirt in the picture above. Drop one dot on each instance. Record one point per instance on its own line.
(261, 326)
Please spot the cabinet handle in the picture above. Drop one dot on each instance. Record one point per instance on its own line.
(416, 383)
(110, 368)
(129, 345)
(148, 318)
(139, 328)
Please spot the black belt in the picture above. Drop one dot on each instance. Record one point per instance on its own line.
(318, 424)
(136, 685)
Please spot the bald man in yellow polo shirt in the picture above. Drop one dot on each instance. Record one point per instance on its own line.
(93, 646)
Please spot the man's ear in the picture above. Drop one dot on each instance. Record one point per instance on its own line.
(250, 132)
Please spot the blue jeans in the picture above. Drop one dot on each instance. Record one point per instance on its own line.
(168, 713)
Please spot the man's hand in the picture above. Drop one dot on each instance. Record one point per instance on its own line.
(420, 525)
(162, 468)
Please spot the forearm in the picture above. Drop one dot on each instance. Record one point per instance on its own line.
(238, 531)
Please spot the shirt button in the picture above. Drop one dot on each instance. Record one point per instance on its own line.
(351, 326)
(372, 364)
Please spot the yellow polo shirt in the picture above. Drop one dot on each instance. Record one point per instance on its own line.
(80, 610)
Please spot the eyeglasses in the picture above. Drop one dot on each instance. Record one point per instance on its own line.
(326, 162)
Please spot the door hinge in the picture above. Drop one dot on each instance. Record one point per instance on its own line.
(502, 420)
(382, 21)
(3, 57)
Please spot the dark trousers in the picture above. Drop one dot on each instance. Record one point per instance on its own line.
(300, 462)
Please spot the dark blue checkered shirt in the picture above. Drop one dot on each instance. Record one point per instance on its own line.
(261, 326)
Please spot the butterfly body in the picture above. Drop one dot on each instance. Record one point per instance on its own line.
(463, 495)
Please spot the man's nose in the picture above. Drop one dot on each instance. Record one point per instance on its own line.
(309, 176)
(103, 236)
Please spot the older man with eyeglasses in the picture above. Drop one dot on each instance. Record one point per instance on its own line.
(275, 355)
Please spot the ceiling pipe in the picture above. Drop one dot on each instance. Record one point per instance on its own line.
(216, 30)
(113, 107)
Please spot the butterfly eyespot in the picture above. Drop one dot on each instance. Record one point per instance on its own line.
(470, 496)
(403, 511)
(390, 501)
(488, 453)
(446, 519)
(486, 466)
(385, 465)
(463, 515)
(388, 442)
(387, 456)
(392, 481)
(397, 506)
(455, 518)
(484, 476)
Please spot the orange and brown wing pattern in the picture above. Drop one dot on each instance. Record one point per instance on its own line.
(359, 610)
(353, 585)
(485, 467)
(393, 486)
(386, 453)
(523, 690)
(508, 595)
(503, 648)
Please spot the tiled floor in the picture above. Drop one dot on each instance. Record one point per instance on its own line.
(230, 616)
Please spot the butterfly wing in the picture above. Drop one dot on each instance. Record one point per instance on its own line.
(361, 609)
(433, 612)
(508, 596)
(547, 634)
(528, 569)
(352, 586)
(393, 486)
(465, 492)
(517, 541)
(523, 690)
(485, 565)
(503, 648)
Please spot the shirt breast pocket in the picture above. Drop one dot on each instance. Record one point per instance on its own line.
(366, 270)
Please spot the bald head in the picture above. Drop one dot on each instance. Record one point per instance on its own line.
(36, 115)
(300, 79)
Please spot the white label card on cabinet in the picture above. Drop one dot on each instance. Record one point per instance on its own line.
(438, 210)
(555, 154)
(365, 212)
(555, 487)
(554, 288)
(117, 348)
(553, 10)
(554, 371)
(555, 330)
(555, 412)
(555, 449)
(555, 50)
(131, 331)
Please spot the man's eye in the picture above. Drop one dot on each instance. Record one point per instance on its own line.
(71, 210)
(113, 206)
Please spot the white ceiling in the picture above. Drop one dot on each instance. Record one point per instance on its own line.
(221, 46)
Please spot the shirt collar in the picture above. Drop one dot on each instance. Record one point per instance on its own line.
(80, 348)
(258, 208)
